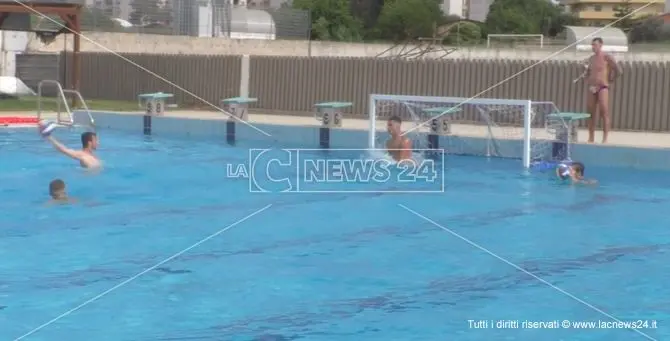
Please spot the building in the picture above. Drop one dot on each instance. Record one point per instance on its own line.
(222, 18)
(113, 8)
(265, 3)
(477, 10)
(579, 38)
(456, 7)
(602, 12)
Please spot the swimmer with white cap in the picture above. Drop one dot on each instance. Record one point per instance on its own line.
(398, 146)
(85, 156)
(573, 171)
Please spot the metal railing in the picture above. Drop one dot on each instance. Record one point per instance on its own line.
(69, 120)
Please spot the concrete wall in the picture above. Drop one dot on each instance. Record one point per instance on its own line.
(136, 43)
(11, 42)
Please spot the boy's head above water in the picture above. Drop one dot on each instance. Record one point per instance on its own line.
(57, 189)
(89, 140)
(393, 125)
(578, 168)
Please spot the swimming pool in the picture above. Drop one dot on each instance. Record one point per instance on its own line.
(324, 266)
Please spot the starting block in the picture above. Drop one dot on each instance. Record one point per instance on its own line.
(440, 119)
(564, 125)
(568, 133)
(154, 103)
(330, 113)
(238, 106)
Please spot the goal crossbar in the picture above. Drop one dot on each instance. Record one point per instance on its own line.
(457, 101)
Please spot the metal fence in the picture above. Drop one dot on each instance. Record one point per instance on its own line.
(639, 100)
(106, 76)
(33, 68)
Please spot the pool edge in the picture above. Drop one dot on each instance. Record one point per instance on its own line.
(312, 136)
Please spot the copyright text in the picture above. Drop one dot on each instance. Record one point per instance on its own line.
(561, 324)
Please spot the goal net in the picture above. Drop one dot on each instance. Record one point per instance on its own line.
(488, 127)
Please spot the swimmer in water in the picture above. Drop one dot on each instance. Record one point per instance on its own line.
(86, 156)
(398, 146)
(574, 172)
(58, 193)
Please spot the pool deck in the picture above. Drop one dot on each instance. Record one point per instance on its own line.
(617, 138)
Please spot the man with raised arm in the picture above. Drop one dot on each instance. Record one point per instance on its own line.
(85, 156)
(601, 72)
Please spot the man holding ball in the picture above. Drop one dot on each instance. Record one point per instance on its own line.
(89, 143)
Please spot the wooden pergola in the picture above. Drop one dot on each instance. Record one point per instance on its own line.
(69, 11)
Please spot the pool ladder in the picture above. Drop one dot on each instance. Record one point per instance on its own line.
(66, 117)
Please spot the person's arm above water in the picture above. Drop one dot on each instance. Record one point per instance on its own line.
(576, 180)
(589, 182)
(63, 149)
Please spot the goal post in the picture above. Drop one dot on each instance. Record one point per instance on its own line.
(466, 126)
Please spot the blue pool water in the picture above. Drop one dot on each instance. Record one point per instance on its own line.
(320, 266)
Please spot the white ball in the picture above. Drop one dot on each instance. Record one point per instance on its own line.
(564, 171)
(46, 127)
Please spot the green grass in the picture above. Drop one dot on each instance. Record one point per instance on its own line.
(50, 104)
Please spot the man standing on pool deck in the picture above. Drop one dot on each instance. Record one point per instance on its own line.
(601, 72)
(398, 146)
(86, 156)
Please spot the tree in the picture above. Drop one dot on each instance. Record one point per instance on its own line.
(463, 33)
(450, 19)
(367, 12)
(408, 19)
(527, 17)
(622, 13)
(331, 19)
(512, 20)
(649, 30)
(556, 24)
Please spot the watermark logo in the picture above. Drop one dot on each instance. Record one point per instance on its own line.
(340, 171)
